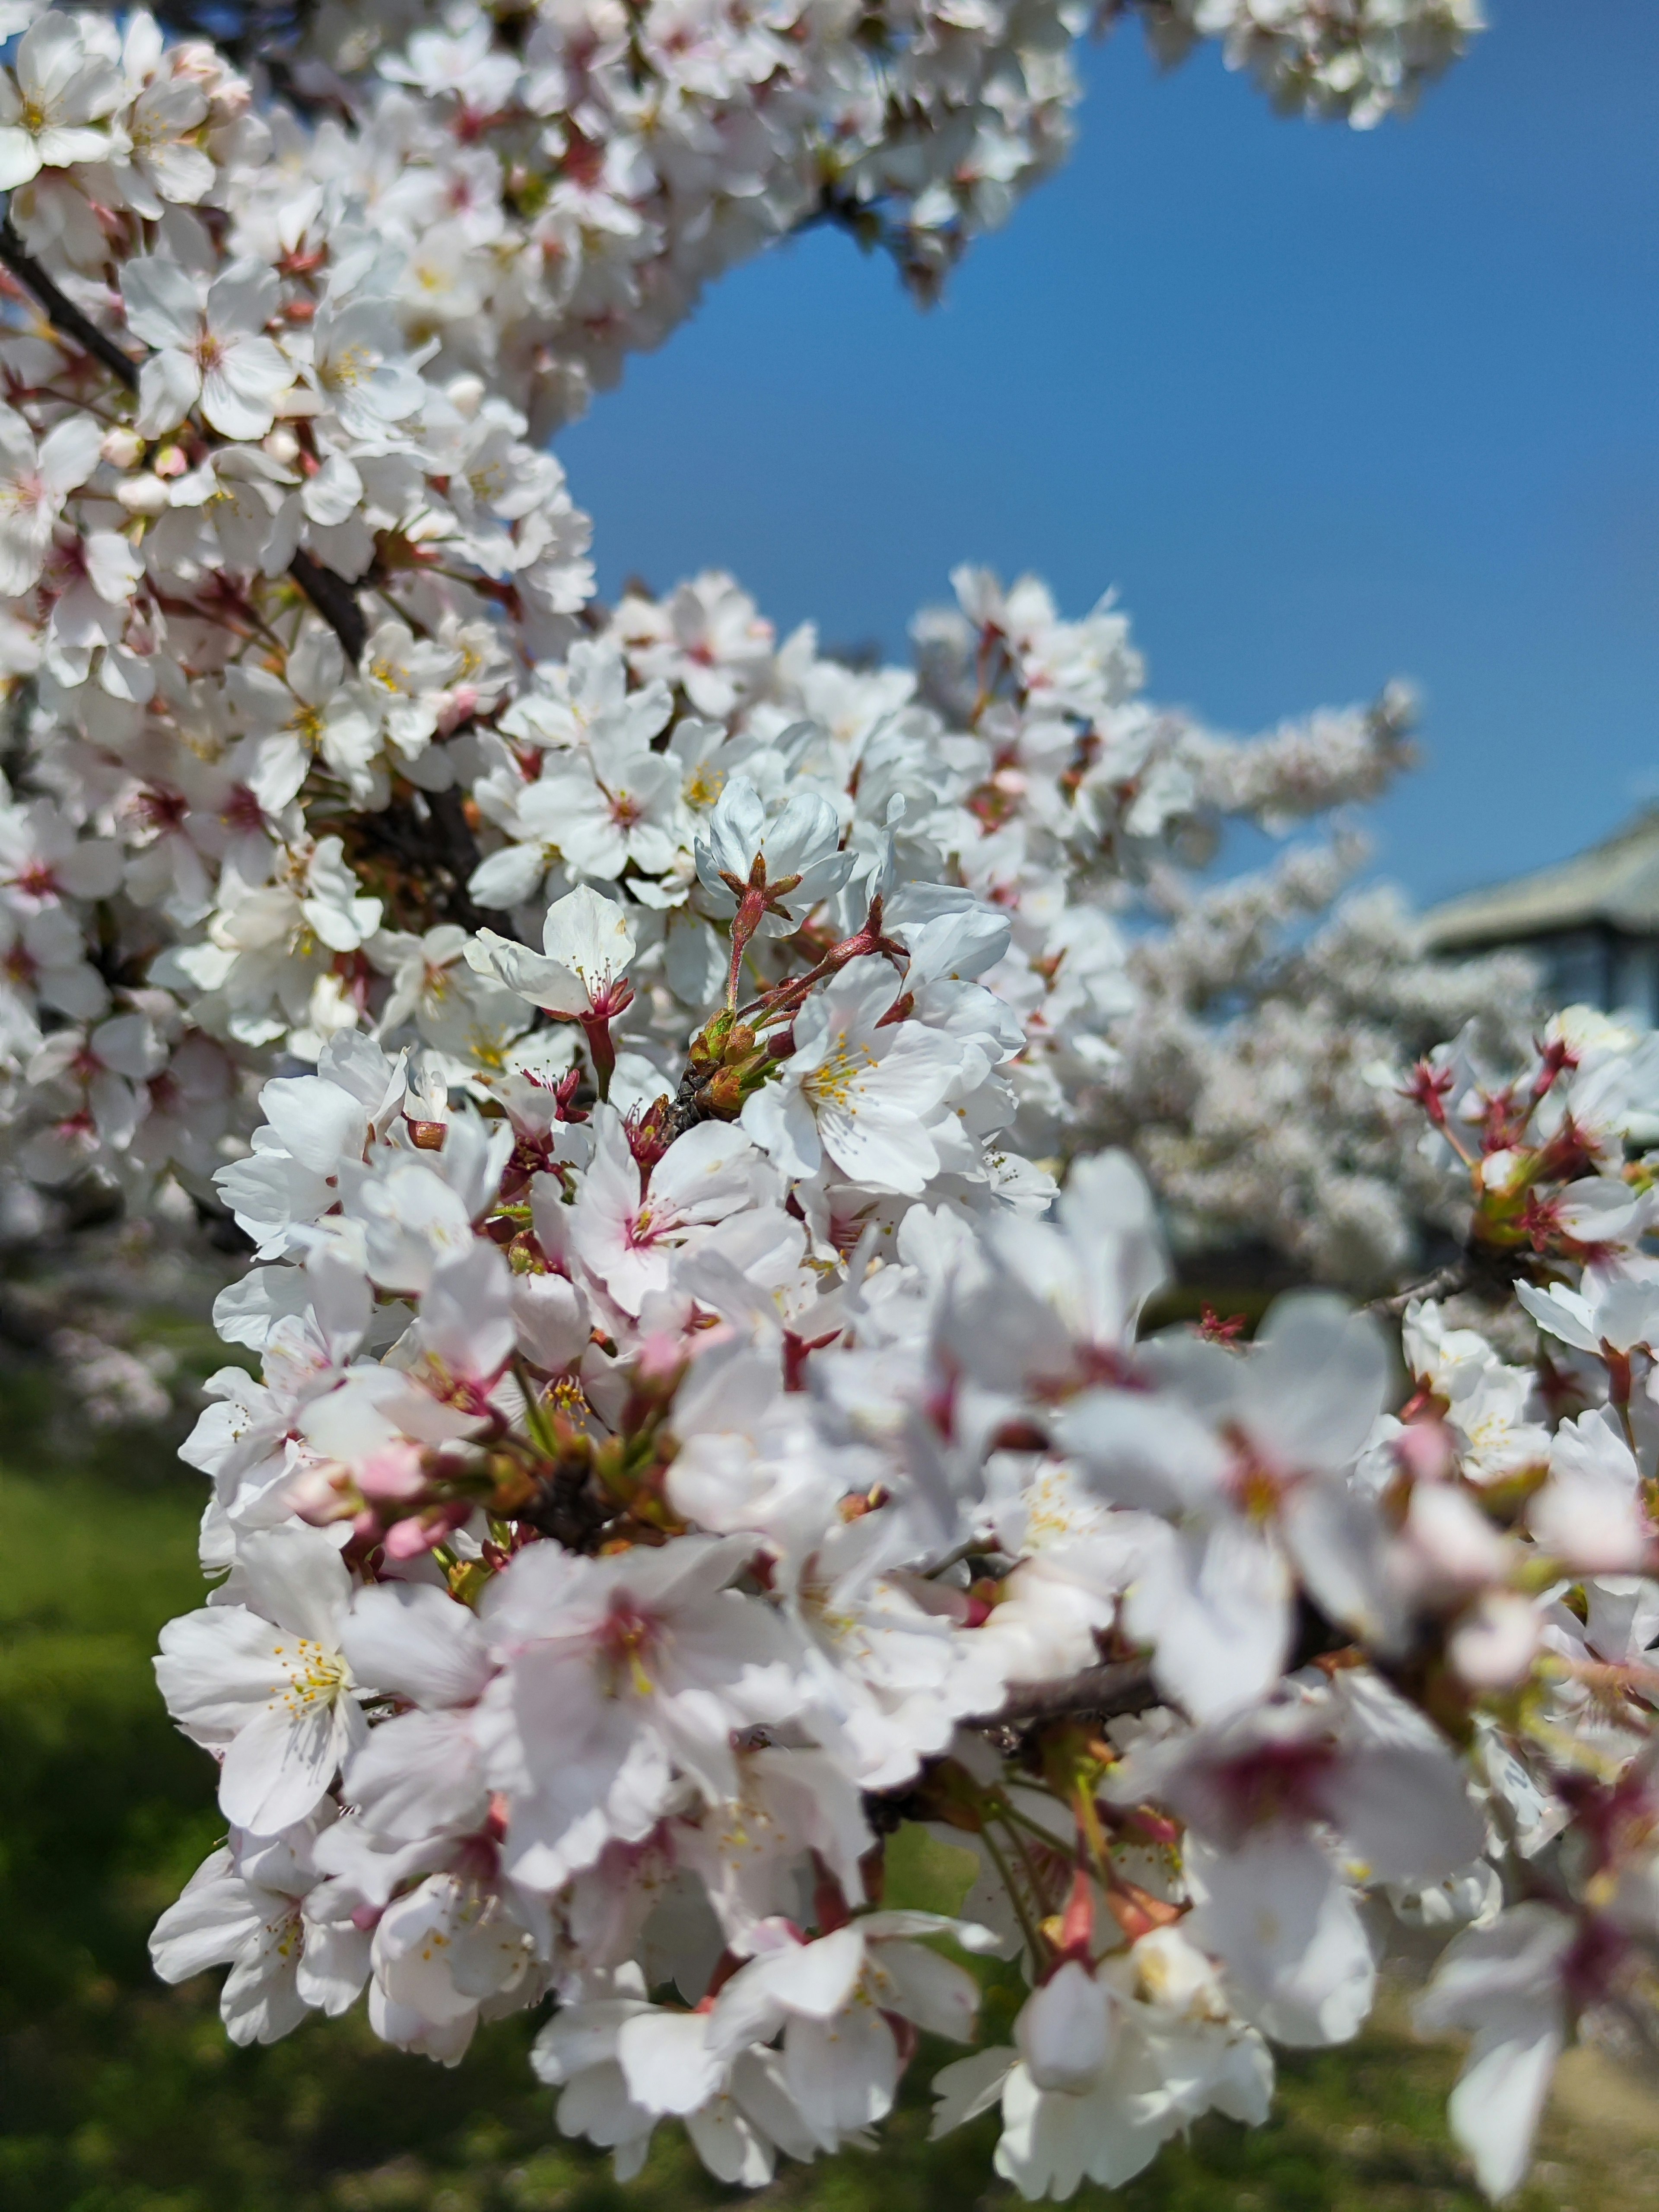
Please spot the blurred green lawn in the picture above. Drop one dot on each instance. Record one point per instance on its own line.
(118, 2095)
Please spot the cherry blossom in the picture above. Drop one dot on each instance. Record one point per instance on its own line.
(722, 1439)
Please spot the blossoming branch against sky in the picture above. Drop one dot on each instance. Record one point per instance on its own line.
(703, 1116)
(1326, 409)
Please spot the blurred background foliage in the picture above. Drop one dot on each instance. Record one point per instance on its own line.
(118, 2095)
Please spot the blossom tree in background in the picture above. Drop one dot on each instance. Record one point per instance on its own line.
(719, 1544)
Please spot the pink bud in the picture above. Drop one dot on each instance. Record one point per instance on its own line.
(321, 1495)
(407, 1539)
(1424, 1451)
(392, 1475)
(659, 1359)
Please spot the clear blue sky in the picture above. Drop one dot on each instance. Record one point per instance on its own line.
(1324, 406)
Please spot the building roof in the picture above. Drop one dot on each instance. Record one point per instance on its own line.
(1615, 884)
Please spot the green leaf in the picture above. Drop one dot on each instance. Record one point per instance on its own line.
(924, 1874)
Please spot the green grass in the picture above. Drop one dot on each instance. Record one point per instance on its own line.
(118, 2095)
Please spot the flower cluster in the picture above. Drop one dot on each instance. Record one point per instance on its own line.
(1360, 59)
(307, 685)
(650, 1518)
(719, 1538)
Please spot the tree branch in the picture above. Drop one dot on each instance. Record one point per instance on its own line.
(1120, 1686)
(63, 313)
(334, 600)
(1457, 1275)
(332, 597)
(425, 853)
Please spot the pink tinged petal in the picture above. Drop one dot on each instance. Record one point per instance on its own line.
(1288, 1932)
(1218, 1609)
(466, 1320)
(596, 2105)
(182, 173)
(1407, 1812)
(1142, 1450)
(55, 69)
(1495, 1640)
(880, 1146)
(1563, 1313)
(243, 299)
(589, 933)
(282, 766)
(1340, 1544)
(551, 1315)
(77, 991)
(749, 2009)
(411, 1947)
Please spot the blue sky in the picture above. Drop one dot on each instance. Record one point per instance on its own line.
(1323, 406)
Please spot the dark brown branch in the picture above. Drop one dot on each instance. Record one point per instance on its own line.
(1121, 1686)
(418, 854)
(332, 597)
(63, 313)
(334, 600)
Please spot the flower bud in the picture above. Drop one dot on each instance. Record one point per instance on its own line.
(123, 447)
(144, 495)
(1066, 2031)
(392, 1475)
(723, 1093)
